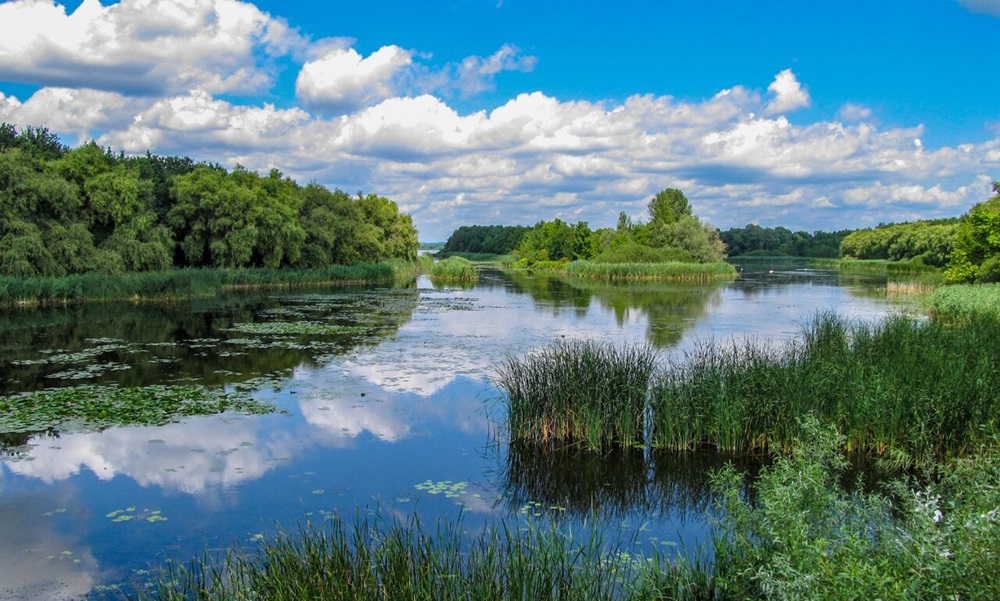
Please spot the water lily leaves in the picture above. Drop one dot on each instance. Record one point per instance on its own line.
(90, 408)
(449, 489)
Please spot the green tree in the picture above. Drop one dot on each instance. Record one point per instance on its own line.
(668, 206)
(976, 256)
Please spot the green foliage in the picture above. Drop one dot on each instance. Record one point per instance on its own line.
(378, 558)
(578, 392)
(633, 252)
(754, 240)
(555, 241)
(454, 269)
(977, 244)
(485, 239)
(967, 301)
(904, 389)
(665, 271)
(667, 206)
(185, 283)
(87, 210)
(926, 242)
(803, 537)
(90, 408)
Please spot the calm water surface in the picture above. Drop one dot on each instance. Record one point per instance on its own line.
(396, 415)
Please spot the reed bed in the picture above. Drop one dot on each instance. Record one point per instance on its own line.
(669, 271)
(376, 558)
(906, 389)
(454, 269)
(967, 301)
(581, 392)
(184, 283)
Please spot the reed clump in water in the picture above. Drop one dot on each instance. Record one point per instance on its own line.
(454, 269)
(914, 389)
(582, 392)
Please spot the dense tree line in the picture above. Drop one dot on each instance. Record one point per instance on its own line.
(928, 242)
(672, 233)
(486, 239)
(84, 209)
(780, 241)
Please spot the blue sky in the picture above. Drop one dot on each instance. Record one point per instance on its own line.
(807, 115)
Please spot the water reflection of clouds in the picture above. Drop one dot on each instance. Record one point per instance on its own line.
(438, 346)
(375, 400)
(190, 457)
(36, 561)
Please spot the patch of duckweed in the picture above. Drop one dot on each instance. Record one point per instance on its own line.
(296, 328)
(89, 408)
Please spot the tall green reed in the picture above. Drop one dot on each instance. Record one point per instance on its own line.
(378, 558)
(581, 392)
(912, 388)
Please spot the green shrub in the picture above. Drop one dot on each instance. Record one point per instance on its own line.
(454, 269)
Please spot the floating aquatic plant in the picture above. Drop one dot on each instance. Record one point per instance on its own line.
(88, 408)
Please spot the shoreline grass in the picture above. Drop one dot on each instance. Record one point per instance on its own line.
(177, 284)
(673, 271)
(375, 557)
(967, 301)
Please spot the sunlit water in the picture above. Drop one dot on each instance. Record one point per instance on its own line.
(399, 418)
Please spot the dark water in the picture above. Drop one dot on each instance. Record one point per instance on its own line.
(394, 413)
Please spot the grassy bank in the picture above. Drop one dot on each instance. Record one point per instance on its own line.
(967, 301)
(905, 389)
(634, 272)
(185, 283)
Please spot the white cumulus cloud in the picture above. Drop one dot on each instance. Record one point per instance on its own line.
(789, 95)
(342, 80)
(141, 46)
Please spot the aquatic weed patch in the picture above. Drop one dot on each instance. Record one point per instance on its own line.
(89, 408)
(296, 328)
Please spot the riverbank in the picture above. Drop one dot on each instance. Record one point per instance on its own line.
(178, 284)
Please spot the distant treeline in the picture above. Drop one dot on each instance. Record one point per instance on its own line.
(86, 209)
(779, 241)
(485, 239)
(672, 234)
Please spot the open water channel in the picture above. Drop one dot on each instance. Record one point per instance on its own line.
(392, 411)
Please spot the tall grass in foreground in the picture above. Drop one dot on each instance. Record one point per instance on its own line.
(631, 272)
(454, 269)
(578, 392)
(908, 389)
(185, 283)
(378, 558)
(967, 301)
